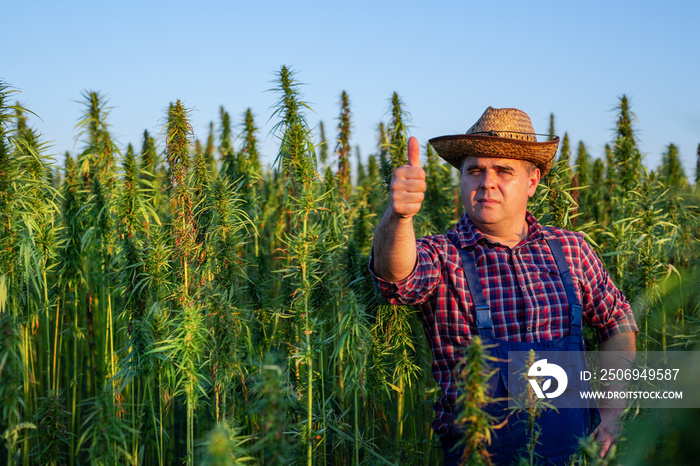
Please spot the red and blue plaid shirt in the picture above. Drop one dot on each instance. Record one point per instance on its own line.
(522, 286)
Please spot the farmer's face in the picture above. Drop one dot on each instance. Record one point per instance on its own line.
(495, 192)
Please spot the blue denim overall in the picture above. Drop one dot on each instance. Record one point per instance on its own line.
(560, 431)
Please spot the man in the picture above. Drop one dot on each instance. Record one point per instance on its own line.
(498, 274)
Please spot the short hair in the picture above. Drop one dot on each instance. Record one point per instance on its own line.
(531, 166)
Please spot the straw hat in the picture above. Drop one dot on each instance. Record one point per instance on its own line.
(500, 132)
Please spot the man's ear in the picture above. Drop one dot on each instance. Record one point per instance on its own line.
(533, 181)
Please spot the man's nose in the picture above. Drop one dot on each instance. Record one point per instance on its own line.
(489, 179)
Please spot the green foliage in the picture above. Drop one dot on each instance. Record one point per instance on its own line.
(473, 374)
(551, 132)
(626, 160)
(553, 203)
(249, 157)
(587, 181)
(533, 408)
(296, 149)
(167, 305)
(225, 446)
(342, 147)
(671, 171)
(226, 150)
(51, 420)
(272, 402)
(441, 192)
(322, 144)
(11, 394)
(394, 141)
(564, 160)
(105, 432)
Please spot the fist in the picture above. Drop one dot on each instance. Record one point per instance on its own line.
(408, 184)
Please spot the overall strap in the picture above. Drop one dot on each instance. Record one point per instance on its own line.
(575, 309)
(484, 325)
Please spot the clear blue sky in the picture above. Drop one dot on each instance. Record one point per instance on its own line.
(448, 61)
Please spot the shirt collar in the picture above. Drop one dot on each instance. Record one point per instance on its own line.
(469, 234)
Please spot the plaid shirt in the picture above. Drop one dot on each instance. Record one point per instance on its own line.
(522, 285)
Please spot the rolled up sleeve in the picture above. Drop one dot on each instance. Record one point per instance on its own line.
(420, 284)
(605, 306)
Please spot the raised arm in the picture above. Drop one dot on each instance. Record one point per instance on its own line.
(394, 240)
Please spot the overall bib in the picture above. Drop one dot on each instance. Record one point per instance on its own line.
(560, 431)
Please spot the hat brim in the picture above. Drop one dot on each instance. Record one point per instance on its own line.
(455, 147)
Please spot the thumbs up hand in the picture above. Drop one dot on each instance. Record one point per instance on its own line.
(408, 184)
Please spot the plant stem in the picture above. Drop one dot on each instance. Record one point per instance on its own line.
(309, 354)
(56, 346)
(357, 427)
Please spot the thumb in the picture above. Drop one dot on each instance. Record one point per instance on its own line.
(413, 152)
